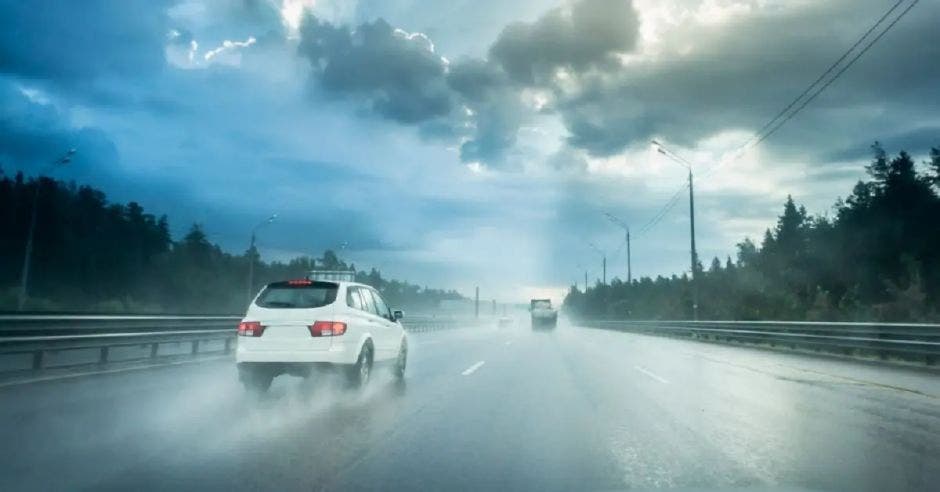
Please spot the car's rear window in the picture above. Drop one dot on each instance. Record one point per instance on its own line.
(286, 295)
(542, 304)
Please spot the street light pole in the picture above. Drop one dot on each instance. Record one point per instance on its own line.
(603, 264)
(251, 257)
(28, 253)
(626, 229)
(694, 255)
(629, 261)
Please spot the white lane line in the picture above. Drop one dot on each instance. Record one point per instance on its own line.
(470, 370)
(650, 374)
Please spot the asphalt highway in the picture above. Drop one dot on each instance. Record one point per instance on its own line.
(490, 409)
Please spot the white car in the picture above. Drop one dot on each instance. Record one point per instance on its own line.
(293, 326)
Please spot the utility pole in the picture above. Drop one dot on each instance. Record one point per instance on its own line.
(251, 258)
(603, 263)
(626, 229)
(476, 304)
(28, 253)
(585, 282)
(629, 268)
(694, 253)
(251, 268)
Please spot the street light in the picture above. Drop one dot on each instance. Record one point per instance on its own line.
(251, 256)
(28, 253)
(580, 266)
(626, 229)
(604, 264)
(694, 255)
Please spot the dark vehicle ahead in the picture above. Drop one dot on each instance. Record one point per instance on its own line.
(543, 314)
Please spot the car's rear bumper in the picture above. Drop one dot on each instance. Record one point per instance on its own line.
(337, 353)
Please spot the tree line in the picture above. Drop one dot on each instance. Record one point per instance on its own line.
(90, 255)
(876, 259)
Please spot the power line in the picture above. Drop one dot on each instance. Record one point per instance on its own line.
(812, 91)
(827, 72)
(770, 128)
(656, 219)
(841, 71)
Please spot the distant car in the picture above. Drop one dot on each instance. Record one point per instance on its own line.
(543, 314)
(504, 322)
(294, 326)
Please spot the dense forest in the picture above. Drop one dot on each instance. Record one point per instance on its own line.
(90, 255)
(877, 258)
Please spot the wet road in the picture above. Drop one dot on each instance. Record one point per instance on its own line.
(576, 409)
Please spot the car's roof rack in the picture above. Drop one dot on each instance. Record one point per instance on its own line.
(333, 275)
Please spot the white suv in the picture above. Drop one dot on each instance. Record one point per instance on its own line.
(293, 326)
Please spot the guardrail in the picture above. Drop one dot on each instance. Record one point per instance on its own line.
(37, 342)
(422, 324)
(905, 341)
(83, 340)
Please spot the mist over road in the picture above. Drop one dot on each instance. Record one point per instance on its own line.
(573, 409)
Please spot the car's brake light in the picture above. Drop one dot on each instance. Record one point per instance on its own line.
(301, 281)
(327, 328)
(250, 329)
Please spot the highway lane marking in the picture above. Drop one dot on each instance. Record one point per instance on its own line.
(74, 375)
(470, 370)
(650, 374)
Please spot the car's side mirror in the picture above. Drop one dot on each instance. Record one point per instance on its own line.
(398, 314)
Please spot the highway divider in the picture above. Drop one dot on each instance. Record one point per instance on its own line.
(31, 343)
(909, 342)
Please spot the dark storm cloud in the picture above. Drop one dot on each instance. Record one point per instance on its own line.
(476, 79)
(739, 75)
(75, 41)
(918, 140)
(709, 78)
(33, 134)
(399, 76)
(587, 34)
(497, 112)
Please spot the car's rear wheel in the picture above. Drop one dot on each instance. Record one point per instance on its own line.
(359, 373)
(256, 380)
(402, 361)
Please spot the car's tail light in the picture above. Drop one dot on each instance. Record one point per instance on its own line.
(250, 329)
(327, 329)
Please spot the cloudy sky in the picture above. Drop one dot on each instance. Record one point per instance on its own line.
(467, 142)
